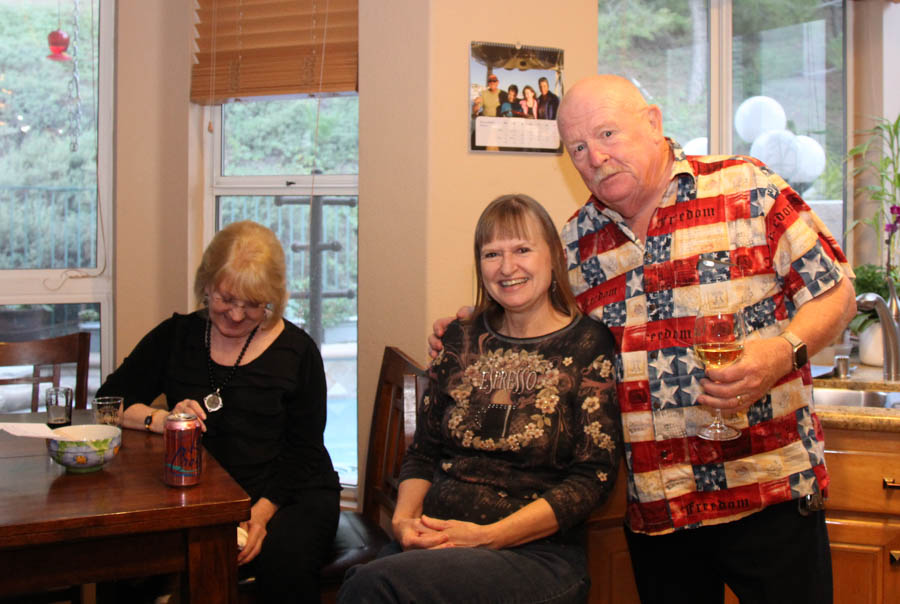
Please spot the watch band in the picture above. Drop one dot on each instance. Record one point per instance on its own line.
(148, 421)
(798, 349)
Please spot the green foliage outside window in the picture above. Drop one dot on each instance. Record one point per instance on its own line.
(47, 189)
(279, 137)
(36, 104)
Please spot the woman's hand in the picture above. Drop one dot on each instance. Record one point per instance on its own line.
(458, 533)
(193, 407)
(411, 533)
(260, 514)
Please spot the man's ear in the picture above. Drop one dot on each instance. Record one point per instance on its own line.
(654, 119)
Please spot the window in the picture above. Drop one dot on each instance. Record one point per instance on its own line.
(291, 164)
(55, 178)
(758, 78)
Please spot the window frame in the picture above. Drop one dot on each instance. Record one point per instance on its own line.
(215, 185)
(53, 286)
(720, 104)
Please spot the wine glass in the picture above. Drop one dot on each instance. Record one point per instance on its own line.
(718, 341)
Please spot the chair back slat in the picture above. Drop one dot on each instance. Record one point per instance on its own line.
(73, 348)
(400, 385)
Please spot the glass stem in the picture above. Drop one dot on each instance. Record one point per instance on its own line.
(718, 421)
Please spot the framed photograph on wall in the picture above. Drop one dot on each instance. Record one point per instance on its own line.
(514, 94)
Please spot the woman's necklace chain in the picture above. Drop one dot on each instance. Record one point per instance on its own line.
(213, 401)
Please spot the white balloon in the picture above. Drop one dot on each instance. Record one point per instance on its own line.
(697, 146)
(776, 149)
(810, 159)
(758, 114)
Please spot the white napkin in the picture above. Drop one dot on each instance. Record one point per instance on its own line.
(29, 430)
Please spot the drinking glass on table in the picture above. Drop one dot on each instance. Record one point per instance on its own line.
(108, 410)
(59, 407)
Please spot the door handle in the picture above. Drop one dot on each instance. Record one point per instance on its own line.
(889, 483)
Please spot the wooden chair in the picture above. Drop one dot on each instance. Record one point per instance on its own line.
(73, 348)
(360, 535)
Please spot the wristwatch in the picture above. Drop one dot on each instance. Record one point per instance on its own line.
(148, 421)
(799, 349)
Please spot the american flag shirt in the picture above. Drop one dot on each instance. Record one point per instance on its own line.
(775, 255)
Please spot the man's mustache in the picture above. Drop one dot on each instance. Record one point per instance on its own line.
(602, 173)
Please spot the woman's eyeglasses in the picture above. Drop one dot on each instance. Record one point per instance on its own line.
(226, 303)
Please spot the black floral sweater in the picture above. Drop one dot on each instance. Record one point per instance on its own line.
(507, 421)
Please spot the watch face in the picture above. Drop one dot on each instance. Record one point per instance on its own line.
(800, 356)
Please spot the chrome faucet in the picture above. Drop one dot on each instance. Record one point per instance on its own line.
(889, 332)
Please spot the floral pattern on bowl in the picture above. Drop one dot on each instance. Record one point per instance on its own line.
(85, 448)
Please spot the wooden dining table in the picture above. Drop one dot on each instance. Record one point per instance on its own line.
(59, 529)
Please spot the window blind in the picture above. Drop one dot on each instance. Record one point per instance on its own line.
(273, 47)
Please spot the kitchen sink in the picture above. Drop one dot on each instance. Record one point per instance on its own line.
(855, 398)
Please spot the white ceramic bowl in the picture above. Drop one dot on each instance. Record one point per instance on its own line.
(84, 448)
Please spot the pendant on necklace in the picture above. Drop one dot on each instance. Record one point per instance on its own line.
(213, 402)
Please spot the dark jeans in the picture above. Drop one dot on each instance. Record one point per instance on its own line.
(299, 537)
(773, 556)
(537, 572)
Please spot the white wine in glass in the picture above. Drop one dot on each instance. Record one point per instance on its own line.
(718, 342)
(719, 354)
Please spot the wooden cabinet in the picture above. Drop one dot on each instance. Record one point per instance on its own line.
(863, 514)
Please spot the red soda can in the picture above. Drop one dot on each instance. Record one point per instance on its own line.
(184, 454)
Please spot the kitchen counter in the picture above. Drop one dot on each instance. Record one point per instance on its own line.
(862, 377)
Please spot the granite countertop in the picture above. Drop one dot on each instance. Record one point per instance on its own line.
(862, 377)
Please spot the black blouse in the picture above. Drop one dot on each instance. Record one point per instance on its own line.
(269, 432)
(507, 421)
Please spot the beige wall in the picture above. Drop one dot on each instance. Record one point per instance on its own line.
(155, 224)
(420, 189)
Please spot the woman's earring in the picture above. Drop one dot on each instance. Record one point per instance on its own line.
(206, 300)
(553, 286)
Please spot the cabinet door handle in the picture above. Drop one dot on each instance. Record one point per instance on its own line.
(895, 557)
(889, 483)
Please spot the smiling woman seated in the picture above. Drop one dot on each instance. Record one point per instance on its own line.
(516, 439)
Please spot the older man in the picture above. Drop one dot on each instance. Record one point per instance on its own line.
(745, 512)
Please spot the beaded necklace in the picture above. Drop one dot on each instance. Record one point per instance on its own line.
(213, 401)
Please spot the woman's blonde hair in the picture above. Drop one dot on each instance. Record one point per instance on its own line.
(247, 258)
(506, 217)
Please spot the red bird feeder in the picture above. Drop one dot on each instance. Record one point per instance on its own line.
(59, 42)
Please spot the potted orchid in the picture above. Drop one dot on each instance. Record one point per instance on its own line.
(884, 136)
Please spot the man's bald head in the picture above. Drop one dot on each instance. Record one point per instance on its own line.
(615, 140)
(612, 91)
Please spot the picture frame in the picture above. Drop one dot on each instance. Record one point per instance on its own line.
(514, 94)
